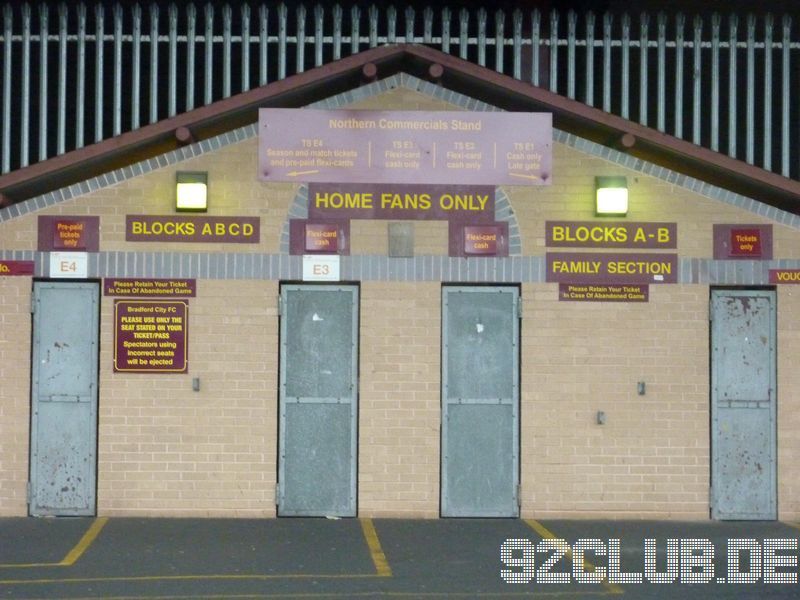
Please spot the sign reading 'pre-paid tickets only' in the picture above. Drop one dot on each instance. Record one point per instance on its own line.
(367, 146)
(151, 337)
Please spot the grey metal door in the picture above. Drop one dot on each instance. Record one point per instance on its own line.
(480, 401)
(743, 376)
(64, 399)
(318, 400)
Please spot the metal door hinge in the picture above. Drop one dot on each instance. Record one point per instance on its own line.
(277, 494)
(280, 306)
(33, 304)
(519, 495)
(519, 308)
(28, 493)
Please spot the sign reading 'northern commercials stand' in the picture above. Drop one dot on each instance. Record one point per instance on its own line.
(437, 147)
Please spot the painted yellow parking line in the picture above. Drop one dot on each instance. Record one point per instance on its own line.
(368, 594)
(382, 568)
(150, 578)
(795, 525)
(544, 532)
(84, 543)
(73, 555)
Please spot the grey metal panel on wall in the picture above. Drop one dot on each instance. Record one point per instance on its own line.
(318, 400)
(64, 399)
(743, 404)
(480, 402)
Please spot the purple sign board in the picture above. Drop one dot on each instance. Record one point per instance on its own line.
(321, 237)
(151, 337)
(481, 240)
(743, 242)
(368, 146)
(69, 233)
(610, 234)
(471, 240)
(307, 236)
(467, 204)
(152, 288)
(10, 268)
(784, 276)
(611, 269)
(179, 228)
(571, 292)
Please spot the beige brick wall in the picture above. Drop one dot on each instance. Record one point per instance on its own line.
(15, 349)
(164, 449)
(399, 411)
(788, 403)
(650, 459)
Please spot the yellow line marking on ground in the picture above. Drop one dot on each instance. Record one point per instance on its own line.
(148, 578)
(74, 554)
(369, 594)
(382, 568)
(84, 543)
(795, 525)
(543, 531)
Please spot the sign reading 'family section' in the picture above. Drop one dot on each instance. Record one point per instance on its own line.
(151, 337)
(367, 146)
(611, 269)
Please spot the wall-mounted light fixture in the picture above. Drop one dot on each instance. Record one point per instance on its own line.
(612, 196)
(191, 191)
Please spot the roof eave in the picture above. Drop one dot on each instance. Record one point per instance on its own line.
(425, 63)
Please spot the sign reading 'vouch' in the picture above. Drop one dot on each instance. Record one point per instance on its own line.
(367, 146)
(611, 269)
(177, 228)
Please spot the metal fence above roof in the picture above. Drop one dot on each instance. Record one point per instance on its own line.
(75, 75)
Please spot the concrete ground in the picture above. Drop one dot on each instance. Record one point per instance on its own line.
(383, 558)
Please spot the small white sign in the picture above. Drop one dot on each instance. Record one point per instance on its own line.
(69, 264)
(320, 267)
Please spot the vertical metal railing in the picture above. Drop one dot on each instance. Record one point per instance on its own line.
(79, 74)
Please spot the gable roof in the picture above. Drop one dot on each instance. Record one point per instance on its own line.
(425, 63)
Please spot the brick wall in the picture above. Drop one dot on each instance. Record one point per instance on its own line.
(399, 414)
(166, 450)
(651, 458)
(788, 403)
(15, 390)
